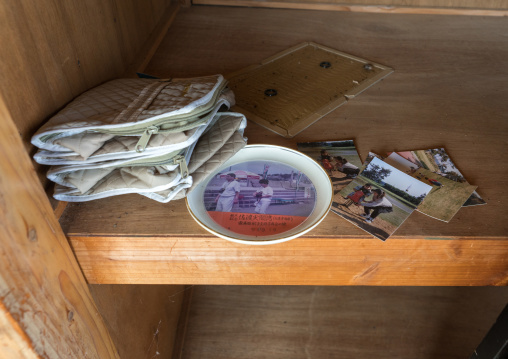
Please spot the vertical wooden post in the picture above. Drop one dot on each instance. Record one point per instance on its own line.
(46, 308)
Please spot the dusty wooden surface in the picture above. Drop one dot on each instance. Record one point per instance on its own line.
(141, 319)
(448, 89)
(41, 285)
(339, 322)
(435, 7)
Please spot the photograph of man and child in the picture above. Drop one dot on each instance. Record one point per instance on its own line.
(229, 195)
(263, 191)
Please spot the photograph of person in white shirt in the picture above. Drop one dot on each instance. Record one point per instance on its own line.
(228, 194)
(378, 204)
(263, 197)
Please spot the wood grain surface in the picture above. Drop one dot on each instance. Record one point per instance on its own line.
(141, 319)
(348, 260)
(14, 343)
(256, 322)
(41, 285)
(448, 89)
(434, 7)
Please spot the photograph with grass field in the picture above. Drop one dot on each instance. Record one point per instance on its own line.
(339, 159)
(438, 161)
(380, 199)
(447, 195)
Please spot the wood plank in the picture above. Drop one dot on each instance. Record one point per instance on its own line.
(340, 322)
(452, 4)
(347, 260)
(388, 7)
(14, 344)
(41, 285)
(142, 320)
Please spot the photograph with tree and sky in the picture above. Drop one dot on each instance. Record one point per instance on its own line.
(447, 195)
(380, 199)
(438, 161)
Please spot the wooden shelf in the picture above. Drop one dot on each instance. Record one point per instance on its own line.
(448, 89)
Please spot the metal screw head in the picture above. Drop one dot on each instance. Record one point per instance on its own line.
(325, 64)
(270, 92)
(368, 67)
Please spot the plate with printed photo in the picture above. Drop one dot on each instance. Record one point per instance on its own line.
(262, 195)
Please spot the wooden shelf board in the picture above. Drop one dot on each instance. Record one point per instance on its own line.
(448, 89)
(349, 260)
(374, 8)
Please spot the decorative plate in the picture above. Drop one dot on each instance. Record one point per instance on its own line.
(262, 195)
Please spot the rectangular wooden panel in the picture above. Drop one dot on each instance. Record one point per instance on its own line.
(142, 319)
(303, 261)
(41, 285)
(259, 322)
(289, 91)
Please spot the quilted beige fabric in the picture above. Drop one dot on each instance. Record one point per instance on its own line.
(222, 141)
(95, 147)
(233, 144)
(140, 136)
(121, 147)
(119, 104)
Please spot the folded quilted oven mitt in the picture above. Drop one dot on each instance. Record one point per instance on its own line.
(138, 136)
(119, 118)
(172, 179)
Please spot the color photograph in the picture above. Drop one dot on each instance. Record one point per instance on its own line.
(380, 198)
(339, 159)
(438, 161)
(259, 198)
(447, 195)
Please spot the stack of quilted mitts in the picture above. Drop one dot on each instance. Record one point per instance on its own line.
(154, 137)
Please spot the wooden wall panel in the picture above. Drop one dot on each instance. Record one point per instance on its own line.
(141, 319)
(41, 285)
(255, 322)
(53, 50)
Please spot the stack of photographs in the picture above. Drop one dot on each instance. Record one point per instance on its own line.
(379, 195)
